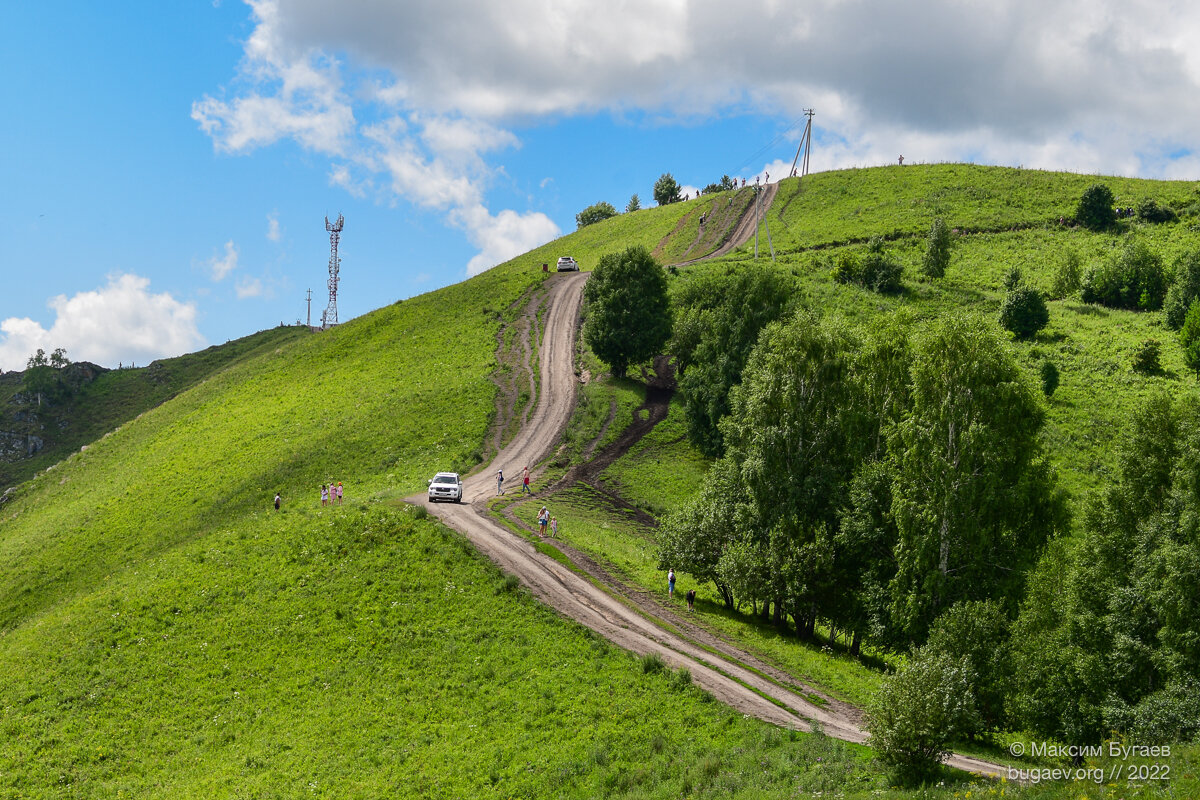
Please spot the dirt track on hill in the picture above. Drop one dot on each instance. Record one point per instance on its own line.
(732, 676)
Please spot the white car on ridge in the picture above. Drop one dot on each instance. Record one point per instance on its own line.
(446, 486)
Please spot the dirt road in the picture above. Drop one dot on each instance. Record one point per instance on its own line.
(725, 675)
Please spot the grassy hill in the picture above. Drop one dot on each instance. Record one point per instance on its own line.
(163, 632)
(113, 398)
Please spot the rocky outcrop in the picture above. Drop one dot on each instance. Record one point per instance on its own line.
(15, 446)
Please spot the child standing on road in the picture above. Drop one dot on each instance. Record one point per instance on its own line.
(554, 527)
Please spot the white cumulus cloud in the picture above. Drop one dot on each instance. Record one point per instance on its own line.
(274, 234)
(502, 236)
(249, 287)
(418, 100)
(122, 322)
(221, 266)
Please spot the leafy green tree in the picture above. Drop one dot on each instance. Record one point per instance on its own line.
(595, 213)
(1095, 209)
(1109, 622)
(666, 190)
(1052, 681)
(695, 538)
(634, 204)
(978, 632)
(937, 250)
(918, 711)
(717, 326)
(628, 314)
(972, 487)
(1067, 278)
(793, 428)
(1132, 277)
(725, 185)
(43, 377)
(1185, 288)
(1024, 312)
(1189, 337)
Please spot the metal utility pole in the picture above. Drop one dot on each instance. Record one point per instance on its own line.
(805, 144)
(309, 318)
(761, 218)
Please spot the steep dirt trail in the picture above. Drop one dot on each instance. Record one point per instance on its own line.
(726, 677)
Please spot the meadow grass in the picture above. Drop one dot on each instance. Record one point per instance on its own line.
(117, 396)
(338, 652)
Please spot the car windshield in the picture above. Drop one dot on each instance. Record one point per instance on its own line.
(566, 259)
(444, 479)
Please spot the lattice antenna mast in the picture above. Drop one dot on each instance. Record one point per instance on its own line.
(329, 318)
(805, 145)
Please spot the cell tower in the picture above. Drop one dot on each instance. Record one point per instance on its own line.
(329, 315)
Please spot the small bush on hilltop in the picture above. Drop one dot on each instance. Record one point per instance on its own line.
(1131, 278)
(874, 270)
(1150, 211)
(1145, 359)
(666, 190)
(595, 213)
(1024, 312)
(937, 250)
(1095, 209)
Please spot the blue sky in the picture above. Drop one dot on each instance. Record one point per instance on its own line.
(169, 166)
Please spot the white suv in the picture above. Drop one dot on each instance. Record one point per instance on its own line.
(567, 264)
(445, 486)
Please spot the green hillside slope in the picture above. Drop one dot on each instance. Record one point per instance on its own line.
(66, 423)
(164, 632)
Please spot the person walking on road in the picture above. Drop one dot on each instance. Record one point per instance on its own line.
(525, 482)
(671, 584)
(499, 482)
